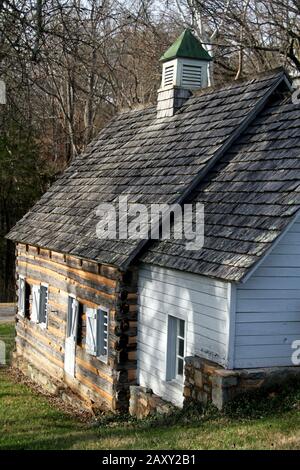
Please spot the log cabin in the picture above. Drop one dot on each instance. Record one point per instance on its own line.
(120, 321)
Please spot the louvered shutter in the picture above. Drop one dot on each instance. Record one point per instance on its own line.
(43, 308)
(35, 304)
(103, 332)
(21, 299)
(91, 331)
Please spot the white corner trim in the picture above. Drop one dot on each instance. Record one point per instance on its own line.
(272, 247)
(231, 311)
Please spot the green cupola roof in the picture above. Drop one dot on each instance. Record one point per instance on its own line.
(187, 46)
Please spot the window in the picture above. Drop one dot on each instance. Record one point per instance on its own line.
(43, 306)
(24, 298)
(80, 324)
(39, 309)
(97, 332)
(175, 348)
(35, 303)
(74, 319)
(27, 300)
(180, 348)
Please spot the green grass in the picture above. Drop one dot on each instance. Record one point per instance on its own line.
(29, 420)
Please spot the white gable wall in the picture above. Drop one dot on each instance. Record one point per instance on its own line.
(268, 307)
(237, 326)
(203, 304)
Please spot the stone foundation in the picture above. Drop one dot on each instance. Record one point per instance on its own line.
(55, 387)
(206, 381)
(144, 403)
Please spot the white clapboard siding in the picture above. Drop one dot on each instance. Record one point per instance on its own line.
(201, 302)
(268, 307)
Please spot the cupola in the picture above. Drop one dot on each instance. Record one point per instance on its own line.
(184, 69)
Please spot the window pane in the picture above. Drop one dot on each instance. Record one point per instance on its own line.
(180, 366)
(180, 347)
(27, 300)
(79, 336)
(181, 328)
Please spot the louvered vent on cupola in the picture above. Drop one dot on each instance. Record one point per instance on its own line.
(185, 69)
(191, 76)
(168, 79)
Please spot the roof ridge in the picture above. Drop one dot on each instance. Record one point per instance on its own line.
(222, 86)
(135, 109)
(212, 89)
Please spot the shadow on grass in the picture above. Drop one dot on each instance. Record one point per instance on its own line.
(32, 441)
(250, 415)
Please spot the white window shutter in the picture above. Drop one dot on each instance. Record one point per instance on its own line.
(91, 331)
(35, 304)
(21, 299)
(70, 315)
(74, 319)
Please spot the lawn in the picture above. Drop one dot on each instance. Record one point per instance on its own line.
(30, 420)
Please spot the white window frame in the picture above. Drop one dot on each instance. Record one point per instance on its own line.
(43, 324)
(177, 355)
(172, 355)
(91, 313)
(74, 306)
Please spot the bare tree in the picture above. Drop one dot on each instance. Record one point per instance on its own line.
(246, 35)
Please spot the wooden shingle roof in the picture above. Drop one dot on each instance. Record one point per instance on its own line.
(151, 161)
(250, 196)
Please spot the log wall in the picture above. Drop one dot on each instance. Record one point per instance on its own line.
(93, 285)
